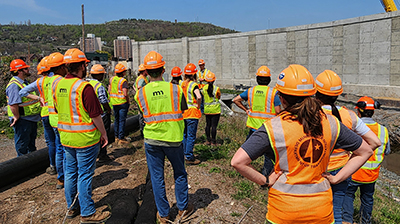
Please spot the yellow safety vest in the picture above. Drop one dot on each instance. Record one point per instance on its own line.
(160, 103)
(193, 112)
(138, 79)
(76, 128)
(261, 103)
(43, 86)
(27, 107)
(53, 116)
(96, 85)
(211, 104)
(116, 94)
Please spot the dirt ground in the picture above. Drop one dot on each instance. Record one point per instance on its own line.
(38, 201)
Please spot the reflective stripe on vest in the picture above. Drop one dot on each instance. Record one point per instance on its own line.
(211, 104)
(53, 117)
(138, 79)
(116, 94)
(42, 85)
(213, 99)
(379, 152)
(261, 105)
(202, 75)
(191, 100)
(29, 107)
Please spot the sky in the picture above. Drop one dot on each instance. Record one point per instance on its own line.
(240, 15)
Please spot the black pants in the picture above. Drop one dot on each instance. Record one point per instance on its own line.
(211, 123)
(107, 123)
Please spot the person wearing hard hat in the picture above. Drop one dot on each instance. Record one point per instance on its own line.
(300, 140)
(142, 79)
(201, 73)
(97, 72)
(176, 74)
(365, 178)
(193, 114)
(329, 87)
(41, 86)
(119, 99)
(82, 133)
(263, 103)
(162, 105)
(212, 108)
(23, 112)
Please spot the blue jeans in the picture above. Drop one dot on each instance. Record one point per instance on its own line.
(50, 140)
(24, 136)
(338, 193)
(120, 113)
(60, 156)
(155, 162)
(189, 137)
(80, 164)
(367, 201)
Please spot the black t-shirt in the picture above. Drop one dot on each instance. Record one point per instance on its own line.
(258, 144)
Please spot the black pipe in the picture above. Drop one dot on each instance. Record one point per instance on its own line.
(23, 166)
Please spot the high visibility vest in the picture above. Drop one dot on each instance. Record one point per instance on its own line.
(76, 128)
(339, 157)
(160, 103)
(96, 85)
(301, 194)
(261, 103)
(116, 94)
(201, 75)
(27, 107)
(191, 113)
(140, 77)
(53, 116)
(43, 86)
(211, 104)
(369, 172)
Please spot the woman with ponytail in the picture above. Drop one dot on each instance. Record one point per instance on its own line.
(212, 108)
(299, 141)
(329, 87)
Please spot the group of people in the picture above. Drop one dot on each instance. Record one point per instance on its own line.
(316, 154)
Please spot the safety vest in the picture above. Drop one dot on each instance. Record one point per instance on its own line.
(369, 172)
(116, 94)
(160, 103)
(96, 85)
(53, 116)
(138, 79)
(192, 112)
(43, 86)
(261, 103)
(76, 128)
(211, 104)
(201, 75)
(339, 157)
(27, 107)
(301, 194)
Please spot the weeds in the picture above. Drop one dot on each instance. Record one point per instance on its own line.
(215, 170)
(244, 190)
(236, 214)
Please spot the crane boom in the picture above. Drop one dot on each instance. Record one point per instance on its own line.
(389, 5)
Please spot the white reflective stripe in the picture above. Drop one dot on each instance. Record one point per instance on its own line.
(280, 144)
(269, 97)
(54, 84)
(263, 115)
(52, 110)
(305, 86)
(175, 97)
(142, 102)
(28, 103)
(354, 118)
(117, 96)
(212, 103)
(250, 97)
(333, 88)
(66, 127)
(370, 165)
(319, 83)
(163, 117)
(190, 100)
(96, 88)
(73, 94)
(370, 105)
(46, 104)
(282, 186)
(378, 153)
(334, 130)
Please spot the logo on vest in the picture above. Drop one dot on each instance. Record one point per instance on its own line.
(259, 92)
(158, 93)
(62, 92)
(310, 151)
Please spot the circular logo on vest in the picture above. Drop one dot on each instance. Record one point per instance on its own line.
(310, 151)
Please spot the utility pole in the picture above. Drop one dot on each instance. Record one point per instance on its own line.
(83, 29)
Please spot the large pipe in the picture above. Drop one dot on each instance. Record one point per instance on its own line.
(23, 166)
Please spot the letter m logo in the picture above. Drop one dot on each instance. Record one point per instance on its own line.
(62, 90)
(158, 93)
(259, 92)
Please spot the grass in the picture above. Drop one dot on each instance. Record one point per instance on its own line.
(236, 214)
(215, 170)
(244, 190)
(231, 91)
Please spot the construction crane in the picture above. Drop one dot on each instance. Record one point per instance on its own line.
(389, 5)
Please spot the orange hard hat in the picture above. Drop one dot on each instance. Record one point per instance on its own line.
(367, 103)
(201, 62)
(153, 60)
(55, 59)
(141, 67)
(176, 71)
(74, 55)
(210, 77)
(263, 71)
(190, 69)
(42, 66)
(97, 69)
(17, 64)
(120, 68)
(296, 80)
(329, 83)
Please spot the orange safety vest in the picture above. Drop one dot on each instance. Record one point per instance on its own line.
(369, 172)
(191, 113)
(301, 194)
(339, 157)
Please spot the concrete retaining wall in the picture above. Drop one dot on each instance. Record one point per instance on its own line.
(364, 51)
